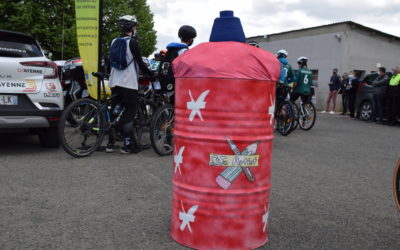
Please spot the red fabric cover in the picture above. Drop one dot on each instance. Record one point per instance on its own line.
(227, 60)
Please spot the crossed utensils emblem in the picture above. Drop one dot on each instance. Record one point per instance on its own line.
(228, 176)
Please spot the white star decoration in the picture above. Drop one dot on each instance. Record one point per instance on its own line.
(188, 217)
(265, 219)
(195, 106)
(178, 159)
(271, 111)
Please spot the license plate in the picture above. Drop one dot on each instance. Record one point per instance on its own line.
(8, 100)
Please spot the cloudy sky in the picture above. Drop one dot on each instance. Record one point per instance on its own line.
(260, 17)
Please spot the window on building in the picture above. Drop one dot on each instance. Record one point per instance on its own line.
(315, 77)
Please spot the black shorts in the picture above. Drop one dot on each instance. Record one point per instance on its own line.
(126, 98)
(304, 98)
(125, 95)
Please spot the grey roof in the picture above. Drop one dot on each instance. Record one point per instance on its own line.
(349, 23)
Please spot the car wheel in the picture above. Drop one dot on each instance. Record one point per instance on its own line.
(366, 111)
(48, 137)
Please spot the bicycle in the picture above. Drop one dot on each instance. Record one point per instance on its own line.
(285, 115)
(161, 128)
(162, 124)
(305, 114)
(94, 119)
(396, 185)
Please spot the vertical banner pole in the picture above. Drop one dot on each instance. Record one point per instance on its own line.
(101, 87)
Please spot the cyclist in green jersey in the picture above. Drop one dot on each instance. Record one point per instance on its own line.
(303, 81)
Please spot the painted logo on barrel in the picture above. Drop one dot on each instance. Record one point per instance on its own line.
(196, 106)
(178, 159)
(188, 217)
(235, 164)
(271, 110)
(265, 218)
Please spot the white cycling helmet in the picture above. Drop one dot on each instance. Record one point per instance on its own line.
(281, 53)
(302, 60)
(127, 22)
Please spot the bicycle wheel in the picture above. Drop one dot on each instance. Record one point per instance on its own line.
(82, 137)
(141, 129)
(285, 118)
(296, 111)
(161, 128)
(396, 185)
(307, 116)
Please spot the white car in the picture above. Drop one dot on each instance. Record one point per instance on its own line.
(31, 96)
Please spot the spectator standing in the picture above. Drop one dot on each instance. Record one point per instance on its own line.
(334, 84)
(353, 93)
(351, 76)
(380, 85)
(394, 96)
(345, 92)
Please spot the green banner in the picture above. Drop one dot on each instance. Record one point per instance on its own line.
(87, 30)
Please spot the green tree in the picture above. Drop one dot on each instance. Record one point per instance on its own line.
(52, 23)
(45, 21)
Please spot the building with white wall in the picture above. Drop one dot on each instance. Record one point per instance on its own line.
(347, 46)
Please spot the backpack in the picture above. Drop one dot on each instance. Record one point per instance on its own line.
(165, 74)
(118, 53)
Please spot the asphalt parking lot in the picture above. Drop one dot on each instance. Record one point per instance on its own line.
(331, 189)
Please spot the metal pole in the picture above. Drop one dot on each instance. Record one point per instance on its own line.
(62, 38)
(100, 40)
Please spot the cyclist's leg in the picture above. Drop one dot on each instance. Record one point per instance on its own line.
(129, 101)
(278, 96)
(111, 144)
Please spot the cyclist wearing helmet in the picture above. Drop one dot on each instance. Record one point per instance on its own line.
(125, 84)
(187, 34)
(286, 76)
(303, 82)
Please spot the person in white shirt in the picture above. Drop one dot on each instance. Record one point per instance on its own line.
(125, 83)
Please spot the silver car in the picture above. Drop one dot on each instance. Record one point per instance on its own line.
(30, 91)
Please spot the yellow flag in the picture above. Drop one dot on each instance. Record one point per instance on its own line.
(87, 30)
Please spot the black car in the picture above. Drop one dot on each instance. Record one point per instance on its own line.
(364, 101)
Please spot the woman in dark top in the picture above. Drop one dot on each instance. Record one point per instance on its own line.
(345, 91)
(353, 92)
